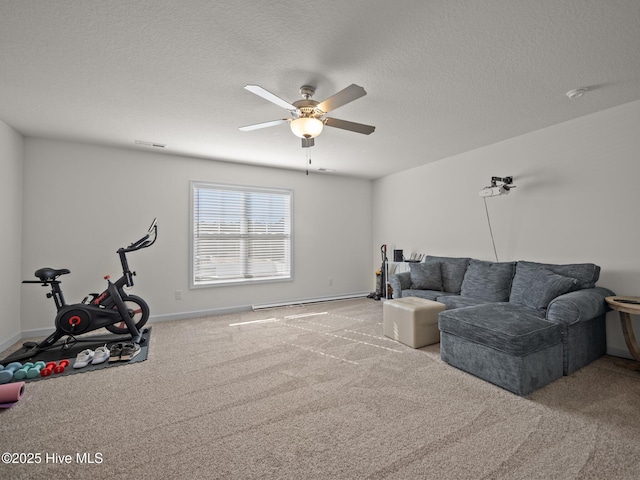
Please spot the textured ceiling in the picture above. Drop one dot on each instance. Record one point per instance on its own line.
(442, 76)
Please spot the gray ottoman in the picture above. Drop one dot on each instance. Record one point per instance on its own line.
(506, 344)
(412, 321)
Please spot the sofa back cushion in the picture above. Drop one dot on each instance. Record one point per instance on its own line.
(425, 276)
(489, 281)
(452, 270)
(535, 287)
(586, 274)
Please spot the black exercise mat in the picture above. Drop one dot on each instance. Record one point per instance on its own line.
(56, 354)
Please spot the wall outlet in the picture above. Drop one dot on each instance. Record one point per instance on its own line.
(178, 294)
(330, 281)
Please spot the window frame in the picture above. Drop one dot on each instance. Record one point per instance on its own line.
(194, 185)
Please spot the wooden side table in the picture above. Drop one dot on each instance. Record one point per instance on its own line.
(626, 310)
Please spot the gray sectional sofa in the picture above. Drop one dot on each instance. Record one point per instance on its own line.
(519, 325)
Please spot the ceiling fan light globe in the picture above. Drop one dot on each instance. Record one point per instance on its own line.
(306, 127)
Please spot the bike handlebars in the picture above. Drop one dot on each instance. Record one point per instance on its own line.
(144, 242)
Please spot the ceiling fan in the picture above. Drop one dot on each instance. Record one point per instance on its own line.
(308, 116)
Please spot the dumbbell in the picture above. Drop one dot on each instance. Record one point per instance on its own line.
(6, 373)
(53, 367)
(34, 371)
(48, 369)
(21, 373)
(62, 364)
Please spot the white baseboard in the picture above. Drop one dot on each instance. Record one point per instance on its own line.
(310, 300)
(244, 308)
(37, 332)
(8, 343)
(197, 314)
(619, 352)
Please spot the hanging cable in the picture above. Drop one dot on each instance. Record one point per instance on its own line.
(493, 242)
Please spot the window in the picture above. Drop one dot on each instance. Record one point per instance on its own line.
(240, 234)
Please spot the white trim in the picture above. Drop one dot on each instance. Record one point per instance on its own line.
(9, 343)
(198, 314)
(244, 308)
(619, 352)
(195, 184)
(310, 300)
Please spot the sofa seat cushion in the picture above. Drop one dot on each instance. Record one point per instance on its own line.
(489, 281)
(457, 301)
(506, 327)
(520, 375)
(426, 294)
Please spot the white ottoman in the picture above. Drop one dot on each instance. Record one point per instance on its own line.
(412, 320)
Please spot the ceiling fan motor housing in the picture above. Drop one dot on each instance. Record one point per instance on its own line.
(306, 108)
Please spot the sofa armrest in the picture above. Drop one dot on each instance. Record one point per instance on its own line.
(399, 282)
(580, 305)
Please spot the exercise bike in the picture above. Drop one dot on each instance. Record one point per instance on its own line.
(113, 309)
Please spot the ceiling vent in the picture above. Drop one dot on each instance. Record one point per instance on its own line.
(576, 92)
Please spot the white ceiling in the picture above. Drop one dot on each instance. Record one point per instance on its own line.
(442, 77)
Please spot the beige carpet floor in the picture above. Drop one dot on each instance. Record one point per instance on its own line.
(317, 392)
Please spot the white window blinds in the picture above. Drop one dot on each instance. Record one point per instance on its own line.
(240, 234)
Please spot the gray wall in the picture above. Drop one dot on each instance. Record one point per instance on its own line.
(576, 200)
(82, 202)
(11, 154)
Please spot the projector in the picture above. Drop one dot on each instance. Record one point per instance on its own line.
(499, 186)
(494, 191)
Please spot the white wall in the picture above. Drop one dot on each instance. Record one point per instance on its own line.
(11, 158)
(83, 202)
(577, 199)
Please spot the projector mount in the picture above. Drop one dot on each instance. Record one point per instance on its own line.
(499, 186)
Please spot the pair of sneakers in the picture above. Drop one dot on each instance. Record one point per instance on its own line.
(88, 356)
(123, 352)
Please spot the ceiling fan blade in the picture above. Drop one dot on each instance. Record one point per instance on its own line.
(351, 126)
(272, 123)
(261, 92)
(308, 142)
(349, 94)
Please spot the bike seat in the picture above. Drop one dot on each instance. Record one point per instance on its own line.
(48, 274)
